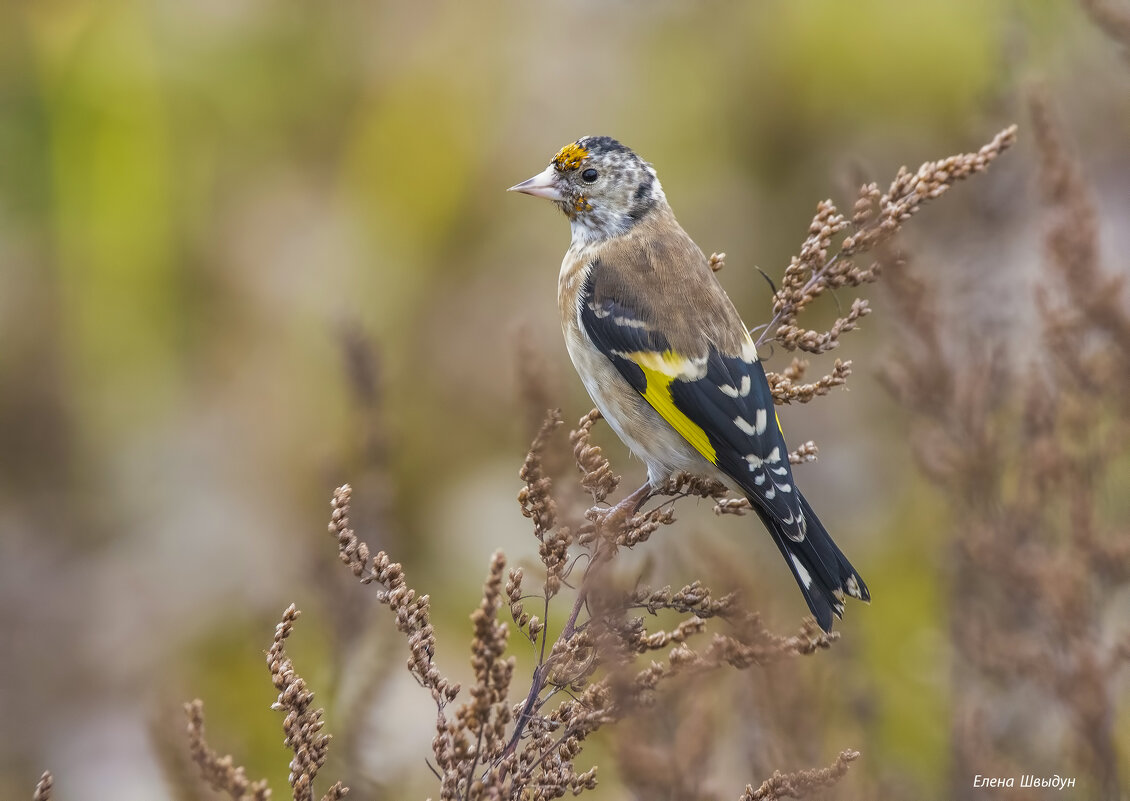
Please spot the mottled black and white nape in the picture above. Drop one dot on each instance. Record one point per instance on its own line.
(667, 359)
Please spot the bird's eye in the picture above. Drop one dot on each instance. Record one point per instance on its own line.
(589, 175)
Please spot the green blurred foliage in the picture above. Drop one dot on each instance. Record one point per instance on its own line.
(908, 660)
(199, 200)
(110, 182)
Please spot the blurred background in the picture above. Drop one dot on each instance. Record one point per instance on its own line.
(250, 251)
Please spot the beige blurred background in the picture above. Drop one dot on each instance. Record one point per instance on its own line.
(250, 251)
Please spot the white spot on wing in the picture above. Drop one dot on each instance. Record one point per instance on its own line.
(749, 351)
(754, 462)
(774, 455)
(784, 487)
(762, 418)
(802, 574)
(770, 494)
(745, 386)
(728, 390)
(745, 427)
(630, 322)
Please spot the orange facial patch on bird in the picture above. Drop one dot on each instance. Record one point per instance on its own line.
(570, 157)
(582, 204)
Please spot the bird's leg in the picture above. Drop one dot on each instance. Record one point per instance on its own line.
(625, 509)
(637, 499)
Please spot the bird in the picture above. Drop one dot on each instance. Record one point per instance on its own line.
(666, 358)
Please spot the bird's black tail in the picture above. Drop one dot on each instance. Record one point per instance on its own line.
(823, 572)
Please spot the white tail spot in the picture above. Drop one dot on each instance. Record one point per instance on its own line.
(802, 574)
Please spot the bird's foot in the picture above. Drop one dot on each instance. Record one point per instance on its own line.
(618, 515)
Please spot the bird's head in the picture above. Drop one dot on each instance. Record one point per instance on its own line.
(601, 185)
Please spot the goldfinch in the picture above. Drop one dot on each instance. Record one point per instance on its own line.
(667, 359)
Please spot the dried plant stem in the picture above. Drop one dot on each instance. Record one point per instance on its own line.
(538, 681)
(219, 772)
(810, 287)
(799, 784)
(43, 787)
(1113, 19)
(625, 508)
(876, 218)
(302, 723)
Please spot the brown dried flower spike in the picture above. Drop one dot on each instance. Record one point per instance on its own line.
(876, 217)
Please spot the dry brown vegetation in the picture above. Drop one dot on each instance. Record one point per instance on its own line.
(1028, 455)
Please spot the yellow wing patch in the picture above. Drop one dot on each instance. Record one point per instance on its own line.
(658, 393)
(570, 157)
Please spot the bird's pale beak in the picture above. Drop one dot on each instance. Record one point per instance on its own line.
(544, 184)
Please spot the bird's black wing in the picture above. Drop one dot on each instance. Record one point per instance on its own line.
(722, 405)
